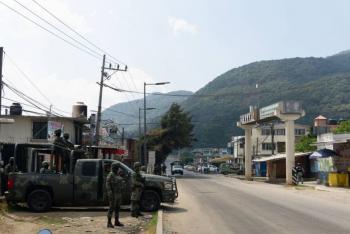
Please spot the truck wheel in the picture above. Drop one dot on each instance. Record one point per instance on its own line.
(39, 200)
(150, 201)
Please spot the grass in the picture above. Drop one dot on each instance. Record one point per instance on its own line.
(152, 225)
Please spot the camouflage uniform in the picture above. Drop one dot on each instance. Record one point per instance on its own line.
(114, 186)
(45, 168)
(66, 141)
(137, 186)
(11, 166)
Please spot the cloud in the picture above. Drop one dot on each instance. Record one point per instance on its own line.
(181, 26)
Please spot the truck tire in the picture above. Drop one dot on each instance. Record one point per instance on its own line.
(150, 201)
(39, 200)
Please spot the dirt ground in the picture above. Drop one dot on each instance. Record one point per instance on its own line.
(68, 220)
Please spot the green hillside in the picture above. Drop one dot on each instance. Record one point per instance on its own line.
(321, 84)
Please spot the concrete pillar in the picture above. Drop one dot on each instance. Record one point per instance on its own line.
(248, 152)
(290, 150)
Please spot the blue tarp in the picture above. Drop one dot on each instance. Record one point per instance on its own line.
(323, 153)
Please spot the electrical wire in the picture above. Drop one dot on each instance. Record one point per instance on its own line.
(27, 77)
(77, 33)
(58, 29)
(49, 31)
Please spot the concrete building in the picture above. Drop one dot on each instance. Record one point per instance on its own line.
(39, 129)
(238, 150)
(262, 138)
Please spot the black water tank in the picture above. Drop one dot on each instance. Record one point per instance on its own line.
(16, 109)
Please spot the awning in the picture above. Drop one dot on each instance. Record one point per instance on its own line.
(323, 153)
(277, 157)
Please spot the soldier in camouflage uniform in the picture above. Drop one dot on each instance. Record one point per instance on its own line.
(67, 142)
(114, 186)
(45, 168)
(11, 166)
(137, 186)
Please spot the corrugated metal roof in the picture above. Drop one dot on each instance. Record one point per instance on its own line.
(279, 156)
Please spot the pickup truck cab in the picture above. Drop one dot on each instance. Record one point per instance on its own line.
(82, 184)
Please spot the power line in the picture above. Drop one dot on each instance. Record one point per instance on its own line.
(27, 77)
(49, 31)
(77, 33)
(31, 100)
(58, 29)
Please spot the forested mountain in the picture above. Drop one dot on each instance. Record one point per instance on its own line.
(321, 84)
(127, 113)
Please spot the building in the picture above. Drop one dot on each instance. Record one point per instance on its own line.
(238, 150)
(324, 125)
(39, 129)
(270, 139)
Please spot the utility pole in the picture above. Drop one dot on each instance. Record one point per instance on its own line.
(103, 75)
(273, 138)
(123, 136)
(1, 60)
(144, 158)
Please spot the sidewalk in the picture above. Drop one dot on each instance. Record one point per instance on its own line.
(312, 184)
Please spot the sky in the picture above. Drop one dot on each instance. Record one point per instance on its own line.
(186, 43)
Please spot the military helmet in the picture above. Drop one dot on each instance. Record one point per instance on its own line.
(137, 165)
(45, 163)
(115, 165)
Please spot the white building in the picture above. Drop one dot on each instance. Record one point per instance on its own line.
(38, 129)
(262, 140)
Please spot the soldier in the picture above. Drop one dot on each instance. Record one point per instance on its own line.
(137, 186)
(68, 144)
(114, 186)
(45, 168)
(11, 166)
(58, 139)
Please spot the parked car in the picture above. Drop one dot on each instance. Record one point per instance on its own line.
(213, 169)
(205, 168)
(226, 168)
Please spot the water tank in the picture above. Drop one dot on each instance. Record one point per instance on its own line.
(16, 109)
(79, 110)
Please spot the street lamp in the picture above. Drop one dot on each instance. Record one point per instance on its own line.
(140, 155)
(144, 159)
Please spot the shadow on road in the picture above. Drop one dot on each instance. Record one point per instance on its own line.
(173, 209)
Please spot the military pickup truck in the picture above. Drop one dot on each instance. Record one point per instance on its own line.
(82, 183)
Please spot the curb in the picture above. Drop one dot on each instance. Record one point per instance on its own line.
(159, 229)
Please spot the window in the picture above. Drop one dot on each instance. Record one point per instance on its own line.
(40, 130)
(299, 132)
(89, 169)
(280, 132)
(265, 132)
(267, 146)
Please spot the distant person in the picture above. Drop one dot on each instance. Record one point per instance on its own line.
(45, 168)
(11, 167)
(67, 142)
(163, 169)
(114, 186)
(300, 173)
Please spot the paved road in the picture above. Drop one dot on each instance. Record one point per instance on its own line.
(218, 204)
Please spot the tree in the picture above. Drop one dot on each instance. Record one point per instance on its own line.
(178, 127)
(306, 144)
(344, 127)
(176, 132)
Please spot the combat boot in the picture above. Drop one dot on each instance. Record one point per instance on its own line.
(117, 223)
(109, 223)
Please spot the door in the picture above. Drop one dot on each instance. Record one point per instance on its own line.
(86, 182)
